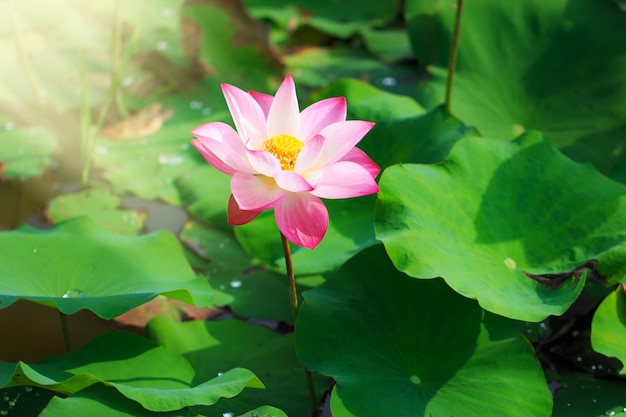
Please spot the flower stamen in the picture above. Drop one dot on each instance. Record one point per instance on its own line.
(285, 148)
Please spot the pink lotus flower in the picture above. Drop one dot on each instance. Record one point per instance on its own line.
(283, 159)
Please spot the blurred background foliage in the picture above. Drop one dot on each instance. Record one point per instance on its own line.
(98, 100)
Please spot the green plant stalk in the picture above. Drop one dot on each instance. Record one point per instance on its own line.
(89, 142)
(66, 332)
(115, 82)
(454, 50)
(85, 123)
(293, 296)
(116, 55)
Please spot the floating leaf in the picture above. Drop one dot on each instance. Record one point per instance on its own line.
(496, 217)
(397, 347)
(26, 153)
(339, 19)
(317, 66)
(608, 328)
(368, 102)
(204, 191)
(236, 280)
(134, 366)
(233, 46)
(77, 265)
(390, 45)
(533, 65)
(101, 206)
(237, 344)
(583, 395)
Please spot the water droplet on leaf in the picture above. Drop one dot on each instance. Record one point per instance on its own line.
(196, 105)
(127, 81)
(518, 129)
(236, 284)
(389, 81)
(510, 263)
(171, 159)
(74, 294)
(415, 379)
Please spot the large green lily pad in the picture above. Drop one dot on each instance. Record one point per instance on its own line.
(608, 328)
(213, 346)
(554, 66)
(76, 265)
(496, 217)
(134, 366)
(396, 347)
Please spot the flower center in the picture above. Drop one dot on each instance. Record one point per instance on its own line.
(285, 148)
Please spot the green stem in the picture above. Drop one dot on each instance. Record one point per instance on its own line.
(293, 296)
(66, 332)
(85, 123)
(118, 64)
(454, 50)
(116, 59)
